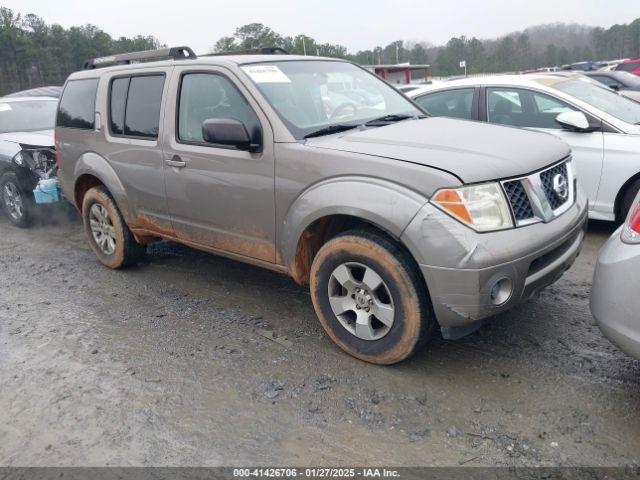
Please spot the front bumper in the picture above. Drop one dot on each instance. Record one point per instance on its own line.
(461, 266)
(614, 295)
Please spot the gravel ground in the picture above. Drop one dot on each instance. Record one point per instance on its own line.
(192, 359)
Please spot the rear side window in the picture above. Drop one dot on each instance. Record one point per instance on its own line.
(78, 104)
(134, 105)
(456, 103)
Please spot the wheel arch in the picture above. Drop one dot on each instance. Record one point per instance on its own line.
(93, 170)
(620, 196)
(314, 218)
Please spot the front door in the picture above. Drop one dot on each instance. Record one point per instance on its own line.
(531, 109)
(218, 197)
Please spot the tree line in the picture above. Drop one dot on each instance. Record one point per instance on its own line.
(540, 46)
(35, 53)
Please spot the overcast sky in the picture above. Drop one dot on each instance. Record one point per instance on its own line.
(356, 24)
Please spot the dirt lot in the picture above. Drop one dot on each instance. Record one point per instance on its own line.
(170, 363)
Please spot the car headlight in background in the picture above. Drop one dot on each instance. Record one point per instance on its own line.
(482, 207)
(631, 228)
(19, 159)
(38, 160)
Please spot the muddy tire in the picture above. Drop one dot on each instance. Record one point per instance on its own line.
(369, 297)
(107, 233)
(17, 204)
(627, 200)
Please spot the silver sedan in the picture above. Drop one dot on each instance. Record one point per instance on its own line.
(615, 299)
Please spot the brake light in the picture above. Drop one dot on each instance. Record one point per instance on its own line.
(55, 149)
(631, 229)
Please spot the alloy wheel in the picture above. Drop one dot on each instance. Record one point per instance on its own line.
(13, 201)
(102, 229)
(361, 301)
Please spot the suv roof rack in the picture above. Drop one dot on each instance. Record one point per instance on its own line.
(251, 51)
(175, 53)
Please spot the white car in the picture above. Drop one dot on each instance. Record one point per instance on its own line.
(601, 126)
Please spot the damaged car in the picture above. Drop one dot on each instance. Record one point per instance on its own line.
(27, 157)
(400, 223)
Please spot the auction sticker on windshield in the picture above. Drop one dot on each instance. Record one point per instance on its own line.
(266, 74)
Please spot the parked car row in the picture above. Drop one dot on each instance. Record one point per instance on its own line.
(631, 65)
(399, 221)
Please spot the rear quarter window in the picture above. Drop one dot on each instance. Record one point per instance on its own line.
(78, 104)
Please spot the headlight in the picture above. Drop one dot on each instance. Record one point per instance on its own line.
(19, 159)
(482, 207)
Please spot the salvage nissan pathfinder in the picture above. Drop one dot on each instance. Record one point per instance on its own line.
(314, 167)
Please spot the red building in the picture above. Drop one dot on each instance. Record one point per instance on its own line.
(400, 73)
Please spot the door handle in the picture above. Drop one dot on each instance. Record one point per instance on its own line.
(176, 162)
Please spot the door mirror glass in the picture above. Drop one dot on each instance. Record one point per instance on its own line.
(226, 131)
(575, 121)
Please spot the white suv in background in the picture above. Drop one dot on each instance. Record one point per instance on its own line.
(601, 126)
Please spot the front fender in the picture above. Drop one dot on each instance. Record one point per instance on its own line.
(383, 203)
(91, 163)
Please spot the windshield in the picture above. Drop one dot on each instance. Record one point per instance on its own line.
(27, 116)
(311, 95)
(602, 98)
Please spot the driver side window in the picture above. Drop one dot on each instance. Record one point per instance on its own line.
(524, 108)
(205, 96)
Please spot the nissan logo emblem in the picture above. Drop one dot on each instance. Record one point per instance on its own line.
(561, 186)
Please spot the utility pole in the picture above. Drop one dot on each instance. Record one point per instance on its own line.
(304, 46)
(397, 53)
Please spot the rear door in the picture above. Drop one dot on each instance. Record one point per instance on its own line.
(522, 107)
(218, 196)
(133, 106)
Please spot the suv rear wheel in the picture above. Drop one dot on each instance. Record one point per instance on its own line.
(108, 235)
(369, 297)
(17, 205)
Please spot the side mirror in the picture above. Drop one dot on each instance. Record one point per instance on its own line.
(615, 87)
(574, 121)
(227, 131)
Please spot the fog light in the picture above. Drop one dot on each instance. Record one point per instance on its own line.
(501, 291)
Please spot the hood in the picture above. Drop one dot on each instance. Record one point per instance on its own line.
(472, 151)
(41, 138)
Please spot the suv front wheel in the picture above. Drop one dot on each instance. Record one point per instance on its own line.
(108, 235)
(369, 297)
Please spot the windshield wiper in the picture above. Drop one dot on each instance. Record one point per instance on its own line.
(330, 129)
(394, 117)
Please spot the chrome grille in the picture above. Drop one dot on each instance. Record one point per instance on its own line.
(520, 204)
(541, 196)
(547, 177)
